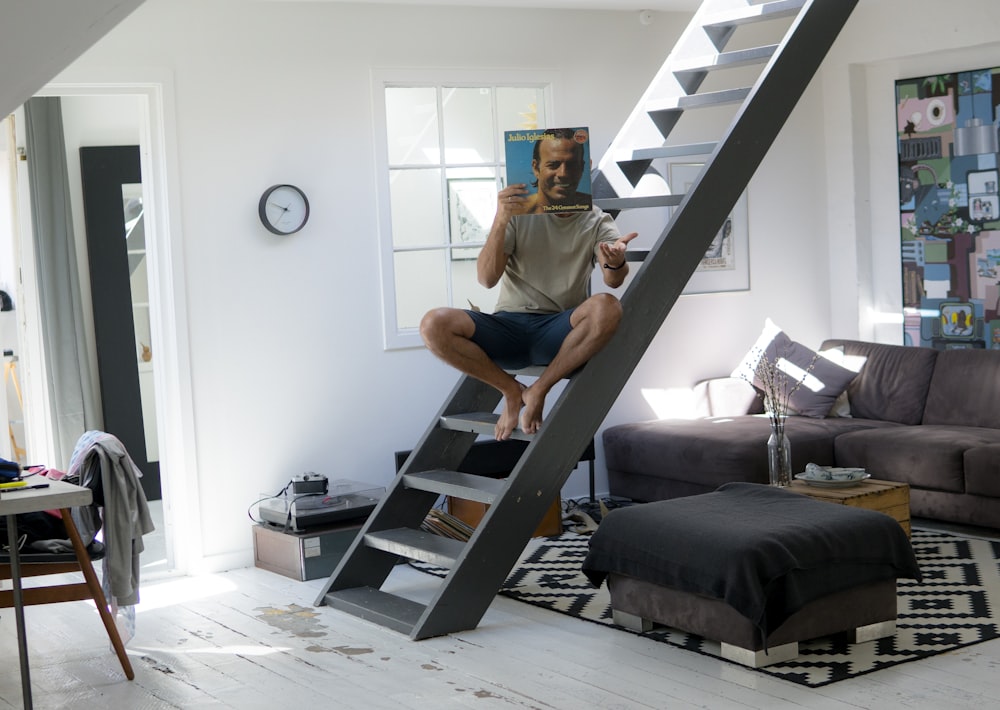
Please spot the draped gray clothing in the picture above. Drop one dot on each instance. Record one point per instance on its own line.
(101, 463)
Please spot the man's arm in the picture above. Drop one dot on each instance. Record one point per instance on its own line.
(611, 258)
(492, 260)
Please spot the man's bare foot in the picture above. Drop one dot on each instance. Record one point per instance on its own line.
(534, 403)
(507, 421)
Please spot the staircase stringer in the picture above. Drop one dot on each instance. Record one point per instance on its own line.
(639, 129)
(583, 405)
(681, 246)
(481, 566)
(363, 566)
(500, 537)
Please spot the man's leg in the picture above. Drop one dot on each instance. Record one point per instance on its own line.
(447, 333)
(594, 322)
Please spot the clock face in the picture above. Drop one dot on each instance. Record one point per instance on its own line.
(283, 209)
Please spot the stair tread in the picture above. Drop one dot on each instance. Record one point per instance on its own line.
(457, 484)
(709, 98)
(673, 151)
(383, 608)
(529, 371)
(479, 422)
(621, 203)
(725, 60)
(417, 545)
(754, 13)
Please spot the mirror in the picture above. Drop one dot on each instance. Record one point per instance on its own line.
(119, 292)
(135, 248)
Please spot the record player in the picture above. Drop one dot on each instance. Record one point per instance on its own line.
(342, 501)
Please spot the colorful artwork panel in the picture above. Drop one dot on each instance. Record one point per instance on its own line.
(948, 134)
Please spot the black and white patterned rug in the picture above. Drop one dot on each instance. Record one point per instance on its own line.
(956, 605)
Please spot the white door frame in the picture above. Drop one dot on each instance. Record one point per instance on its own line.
(168, 312)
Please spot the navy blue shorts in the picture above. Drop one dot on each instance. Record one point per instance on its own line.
(516, 340)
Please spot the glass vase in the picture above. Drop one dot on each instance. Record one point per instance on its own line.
(779, 457)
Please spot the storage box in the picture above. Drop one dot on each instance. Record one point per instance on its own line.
(496, 459)
(311, 554)
(889, 497)
(470, 512)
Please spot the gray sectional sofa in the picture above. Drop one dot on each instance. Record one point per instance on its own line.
(920, 416)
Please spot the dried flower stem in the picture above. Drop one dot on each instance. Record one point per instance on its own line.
(774, 383)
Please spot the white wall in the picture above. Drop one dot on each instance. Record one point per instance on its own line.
(287, 367)
(884, 41)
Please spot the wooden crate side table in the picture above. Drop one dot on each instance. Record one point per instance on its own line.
(887, 497)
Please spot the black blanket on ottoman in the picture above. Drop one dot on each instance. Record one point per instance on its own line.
(765, 551)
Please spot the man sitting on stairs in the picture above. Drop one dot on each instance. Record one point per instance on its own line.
(543, 263)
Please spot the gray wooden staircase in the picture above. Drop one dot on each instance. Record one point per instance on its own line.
(477, 568)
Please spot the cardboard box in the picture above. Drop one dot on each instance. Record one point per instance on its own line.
(310, 554)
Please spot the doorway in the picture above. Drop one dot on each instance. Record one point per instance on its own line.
(147, 111)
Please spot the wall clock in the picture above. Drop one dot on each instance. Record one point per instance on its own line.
(283, 209)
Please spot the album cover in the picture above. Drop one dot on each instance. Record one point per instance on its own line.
(554, 165)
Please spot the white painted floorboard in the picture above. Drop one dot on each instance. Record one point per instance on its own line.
(252, 640)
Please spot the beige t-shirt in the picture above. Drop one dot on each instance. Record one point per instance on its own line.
(550, 260)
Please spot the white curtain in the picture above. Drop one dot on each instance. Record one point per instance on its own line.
(74, 403)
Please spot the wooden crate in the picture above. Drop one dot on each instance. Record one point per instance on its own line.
(496, 459)
(887, 497)
(470, 512)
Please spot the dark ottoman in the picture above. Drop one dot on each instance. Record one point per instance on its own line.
(755, 568)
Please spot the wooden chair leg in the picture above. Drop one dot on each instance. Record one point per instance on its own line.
(98, 594)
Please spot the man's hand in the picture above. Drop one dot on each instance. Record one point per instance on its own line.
(613, 253)
(512, 201)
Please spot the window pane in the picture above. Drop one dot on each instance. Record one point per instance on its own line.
(472, 205)
(443, 173)
(421, 284)
(520, 109)
(416, 201)
(412, 125)
(466, 290)
(468, 125)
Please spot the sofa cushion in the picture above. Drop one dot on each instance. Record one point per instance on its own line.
(926, 456)
(982, 470)
(811, 383)
(842, 405)
(717, 450)
(726, 397)
(893, 384)
(965, 389)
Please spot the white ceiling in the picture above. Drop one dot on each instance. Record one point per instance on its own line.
(624, 5)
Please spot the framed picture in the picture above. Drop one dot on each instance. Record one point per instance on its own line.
(726, 264)
(472, 204)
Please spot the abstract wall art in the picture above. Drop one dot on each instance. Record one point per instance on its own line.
(949, 207)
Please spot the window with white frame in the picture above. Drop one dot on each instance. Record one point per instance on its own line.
(440, 164)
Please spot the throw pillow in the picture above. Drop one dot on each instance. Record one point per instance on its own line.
(822, 380)
(854, 363)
